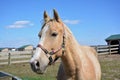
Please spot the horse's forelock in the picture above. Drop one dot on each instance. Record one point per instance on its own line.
(43, 25)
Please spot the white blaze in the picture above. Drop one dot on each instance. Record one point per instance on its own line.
(37, 54)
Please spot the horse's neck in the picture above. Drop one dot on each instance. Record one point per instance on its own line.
(71, 55)
(72, 47)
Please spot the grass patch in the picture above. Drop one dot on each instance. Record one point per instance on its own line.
(110, 65)
(24, 71)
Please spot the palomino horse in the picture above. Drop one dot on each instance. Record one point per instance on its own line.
(57, 41)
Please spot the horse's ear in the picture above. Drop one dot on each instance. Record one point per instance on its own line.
(56, 17)
(46, 17)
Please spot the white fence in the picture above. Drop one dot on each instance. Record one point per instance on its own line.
(12, 57)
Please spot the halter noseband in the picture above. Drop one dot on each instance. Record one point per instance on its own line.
(50, 53)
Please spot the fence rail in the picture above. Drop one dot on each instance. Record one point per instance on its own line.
(107, 49)
(7, 58)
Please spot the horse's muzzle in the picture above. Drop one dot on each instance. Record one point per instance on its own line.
(35, 66)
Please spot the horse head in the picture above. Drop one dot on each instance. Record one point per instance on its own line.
(51, 44)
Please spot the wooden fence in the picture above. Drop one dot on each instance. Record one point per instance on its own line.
(12, 57)
(107, 49)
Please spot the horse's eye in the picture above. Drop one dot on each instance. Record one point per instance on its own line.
(39, 36)
(54, 34)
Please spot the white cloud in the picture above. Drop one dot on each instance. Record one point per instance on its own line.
(72, 21)
(21, 24)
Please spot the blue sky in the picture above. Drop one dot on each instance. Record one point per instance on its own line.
(91, 21)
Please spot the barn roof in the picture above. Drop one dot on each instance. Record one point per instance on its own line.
(113, 37)
(2, 49)
(22, 47)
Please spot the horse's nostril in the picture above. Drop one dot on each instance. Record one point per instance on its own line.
(37, 64)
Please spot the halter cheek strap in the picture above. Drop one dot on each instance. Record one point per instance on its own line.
(52, 52)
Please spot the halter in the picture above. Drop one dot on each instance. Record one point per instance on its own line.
(50, 53)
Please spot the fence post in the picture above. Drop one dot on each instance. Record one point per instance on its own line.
(96, 49)
(9, 58)
(119, 47)
(109, 46)
(32, 53)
